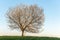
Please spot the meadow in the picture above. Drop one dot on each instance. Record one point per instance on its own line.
(27, 38)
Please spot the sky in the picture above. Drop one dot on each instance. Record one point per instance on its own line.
(51, 10)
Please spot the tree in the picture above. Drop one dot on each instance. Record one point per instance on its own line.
(26, 18)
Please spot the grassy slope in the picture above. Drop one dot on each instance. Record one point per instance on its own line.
(26, 38)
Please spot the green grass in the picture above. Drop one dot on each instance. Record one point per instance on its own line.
(27, 38)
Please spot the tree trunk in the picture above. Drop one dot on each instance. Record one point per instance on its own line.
(22, 33)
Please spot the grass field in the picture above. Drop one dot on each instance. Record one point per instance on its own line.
(27, 38)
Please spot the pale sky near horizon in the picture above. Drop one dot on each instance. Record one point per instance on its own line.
(51, 11)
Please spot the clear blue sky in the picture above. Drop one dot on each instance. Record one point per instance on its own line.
(51, 11)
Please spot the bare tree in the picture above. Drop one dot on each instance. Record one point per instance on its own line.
(26, 18)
